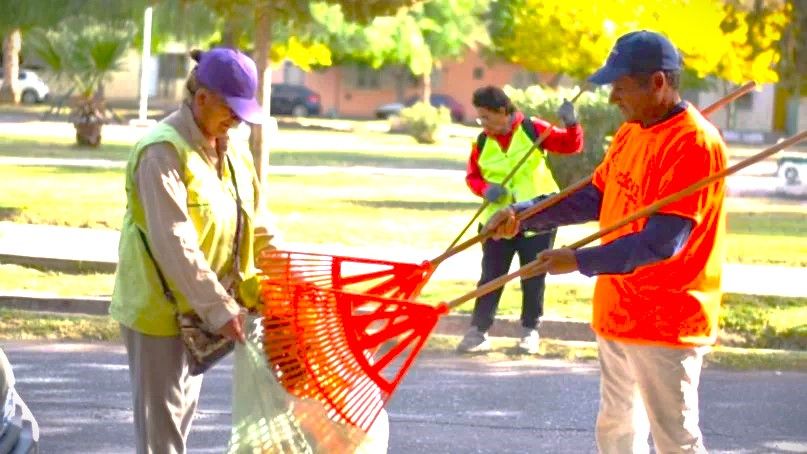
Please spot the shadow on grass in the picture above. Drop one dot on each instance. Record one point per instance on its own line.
(775, 223)
(9, 213)
(84, 170)
(38, 149)
(345, 159)
(420, 206)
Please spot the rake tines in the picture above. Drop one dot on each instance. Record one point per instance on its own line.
(347, 351)
(369, 276)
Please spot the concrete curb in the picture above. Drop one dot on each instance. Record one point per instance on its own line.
(62, 265)
(85, 305)
(564, 329)
(452, 324)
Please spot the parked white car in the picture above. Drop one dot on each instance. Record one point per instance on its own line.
(32, 88)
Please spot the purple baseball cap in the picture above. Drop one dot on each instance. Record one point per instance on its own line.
(638, 52)
(234, 76)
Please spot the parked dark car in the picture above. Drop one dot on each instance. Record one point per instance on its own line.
(436, 100)
(297, 100)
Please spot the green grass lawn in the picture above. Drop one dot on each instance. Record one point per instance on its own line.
(63, 148)
(423, 212)
(21, 325)
(747, 320)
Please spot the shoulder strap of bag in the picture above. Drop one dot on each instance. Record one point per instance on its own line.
(166, 290)
(237, 241)
(526, 123)
(529, 128)
(480, 141)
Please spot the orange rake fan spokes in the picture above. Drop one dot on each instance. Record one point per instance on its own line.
(359, 275)
(346, 350)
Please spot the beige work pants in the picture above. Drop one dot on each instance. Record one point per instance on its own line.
(648, 390)
(164, 394)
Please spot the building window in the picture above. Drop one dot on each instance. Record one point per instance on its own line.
(479, 73)
(367, 77)
(745, 102)
(523, 79)
(293, 74)
(437, 78)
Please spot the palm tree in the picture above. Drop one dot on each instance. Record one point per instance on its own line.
(85, 52)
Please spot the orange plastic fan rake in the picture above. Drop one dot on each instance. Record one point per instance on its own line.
(348, 351)
(360, 275)
(326, 319)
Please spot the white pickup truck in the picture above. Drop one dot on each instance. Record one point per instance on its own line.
(792, 168)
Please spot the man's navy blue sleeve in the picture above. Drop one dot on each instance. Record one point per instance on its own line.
(581, 206)
(662, 237)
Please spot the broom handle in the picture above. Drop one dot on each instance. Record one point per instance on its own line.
(546, 203)
(647, 211)
(513, 171)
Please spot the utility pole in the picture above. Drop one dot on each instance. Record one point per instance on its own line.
(142, 116)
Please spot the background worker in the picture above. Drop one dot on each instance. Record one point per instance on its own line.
(507, 135)
(657, 298)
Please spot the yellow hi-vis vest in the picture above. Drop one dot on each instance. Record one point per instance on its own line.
(138, 300)
(532, 179)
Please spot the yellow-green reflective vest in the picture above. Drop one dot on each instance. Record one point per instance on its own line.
(532, 179)
(138, 300)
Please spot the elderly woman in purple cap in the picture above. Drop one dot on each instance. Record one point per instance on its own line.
(188, 242)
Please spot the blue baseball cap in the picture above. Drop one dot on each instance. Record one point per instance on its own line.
(232, 75)
(638, 52)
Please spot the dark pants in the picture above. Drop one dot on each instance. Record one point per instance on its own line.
(496, 258)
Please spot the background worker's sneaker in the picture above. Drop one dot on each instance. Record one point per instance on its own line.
(529, 342)
(474, 341)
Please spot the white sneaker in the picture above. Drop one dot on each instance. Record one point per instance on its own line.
(530, 341)
(474, 341)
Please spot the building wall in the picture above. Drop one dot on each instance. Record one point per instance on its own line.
(802, 121)
(125, 84)
(752, 114)
(342, 94)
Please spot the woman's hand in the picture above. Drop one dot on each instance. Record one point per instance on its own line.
(503, 224)
(234, 329)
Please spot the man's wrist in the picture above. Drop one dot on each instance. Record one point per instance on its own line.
(586, 261)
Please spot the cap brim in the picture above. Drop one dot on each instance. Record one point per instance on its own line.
(607, 74)
(247, 109)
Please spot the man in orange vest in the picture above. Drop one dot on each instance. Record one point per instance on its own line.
(507, 136)
(656, 301)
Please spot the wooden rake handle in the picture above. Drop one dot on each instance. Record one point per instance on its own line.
(546, 203)
(513, 171)
(647, 211)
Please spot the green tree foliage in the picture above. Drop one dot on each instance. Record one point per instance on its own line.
(419, 37)
(16, 18)
(600, 120)
(728, 39)
(85, 52)
(793, 64)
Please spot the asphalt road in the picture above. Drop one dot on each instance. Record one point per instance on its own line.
(80, 396)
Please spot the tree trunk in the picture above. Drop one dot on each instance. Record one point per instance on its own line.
(402, 79)
(229, 37)
(730, 110)
(87, 117)
(263, 42)
(10, 90)
(427, 86)
(554, 82)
